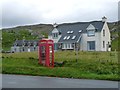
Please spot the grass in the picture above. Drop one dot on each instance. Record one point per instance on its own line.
(90, 65)
(115, 44)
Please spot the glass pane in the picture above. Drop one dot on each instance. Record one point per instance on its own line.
(43, 57)
(50, 56)
(91, 33)
(91, 45)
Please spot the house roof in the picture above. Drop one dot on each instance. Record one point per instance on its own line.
(26, 42)
(77, 29)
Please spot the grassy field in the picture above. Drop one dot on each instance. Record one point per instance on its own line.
(91, 65)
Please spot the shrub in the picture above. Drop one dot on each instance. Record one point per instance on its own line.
(31, 58)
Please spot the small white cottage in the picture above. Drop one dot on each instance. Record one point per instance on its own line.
(25, 46)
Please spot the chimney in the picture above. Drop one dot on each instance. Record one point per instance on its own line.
(104, 19)
(55, 25)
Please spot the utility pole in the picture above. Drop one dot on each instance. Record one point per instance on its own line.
(76, 49)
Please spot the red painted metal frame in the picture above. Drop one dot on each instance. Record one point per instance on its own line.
(46, 43)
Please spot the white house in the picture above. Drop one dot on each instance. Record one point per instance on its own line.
(84, 36)
(25, 46)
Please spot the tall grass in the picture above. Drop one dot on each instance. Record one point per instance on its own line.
(71, 56)
(94, 65)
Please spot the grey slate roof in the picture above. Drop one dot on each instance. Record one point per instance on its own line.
(26, 42)
(75, 27)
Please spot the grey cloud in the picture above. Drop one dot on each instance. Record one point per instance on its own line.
(119, 10)
(14, 13)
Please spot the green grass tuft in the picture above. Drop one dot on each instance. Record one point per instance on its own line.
(90, 65)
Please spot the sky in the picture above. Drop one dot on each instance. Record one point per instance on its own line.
(28, 12)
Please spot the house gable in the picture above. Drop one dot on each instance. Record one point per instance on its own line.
(105, 38)
(55, 30)
(90, 27)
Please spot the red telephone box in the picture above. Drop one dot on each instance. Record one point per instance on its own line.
(46, 52)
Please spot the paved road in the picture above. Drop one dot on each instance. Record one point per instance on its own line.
(20, 81)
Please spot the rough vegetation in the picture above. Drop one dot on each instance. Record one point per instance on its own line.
(92, 65)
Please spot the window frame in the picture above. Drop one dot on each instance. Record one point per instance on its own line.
(90, 46)
(89, 35)
(103, 32)
(55, 35)
(103, 44)
(73, 37)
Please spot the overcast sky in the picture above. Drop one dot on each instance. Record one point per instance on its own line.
(25, 12)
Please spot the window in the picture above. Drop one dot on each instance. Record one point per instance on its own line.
(55, 35)
(103, 32)
(103, 44)
(23, 49)
(65, 37)
(69, 46)
(73, 37)
(68, 31)
(65, 45)
(91, 32)
(91, 45)
(62, 45)
(68, 37)
(80, 31)
(71, 32)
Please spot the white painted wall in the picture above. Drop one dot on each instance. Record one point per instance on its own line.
(95, 38)
(105, 38)
(54, 39)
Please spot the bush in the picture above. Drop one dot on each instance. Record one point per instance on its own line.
(31, 58)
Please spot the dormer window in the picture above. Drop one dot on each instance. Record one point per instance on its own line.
(68, 37)
(69, 32)
(80, 31)
(55, 35)
(73, 37)
(91, 32)
(65, 37)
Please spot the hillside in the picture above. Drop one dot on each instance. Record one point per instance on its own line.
(115, 34)
(31, 32)
(35, 32)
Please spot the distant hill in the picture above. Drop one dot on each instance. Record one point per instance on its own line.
(35, 32)
(41, 28)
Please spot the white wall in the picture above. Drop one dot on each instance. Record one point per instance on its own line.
(95, 38)
(54, 39)
(105, 38)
